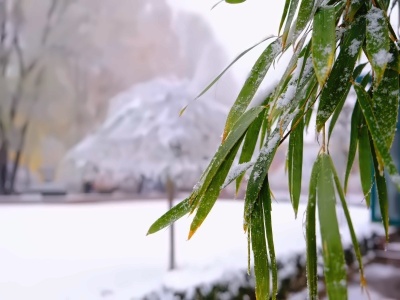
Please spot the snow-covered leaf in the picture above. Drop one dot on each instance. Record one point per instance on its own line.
(338, 110)
(386, 103)
(336, 86)
(304, 15)
(382, 151)
(377, 45)
(260, 252)
(323, 42)
(249, 146)
(266, 200)
(237, 133)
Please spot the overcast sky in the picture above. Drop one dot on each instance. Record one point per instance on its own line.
(238, 26)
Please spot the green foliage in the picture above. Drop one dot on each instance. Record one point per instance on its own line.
(328, 41)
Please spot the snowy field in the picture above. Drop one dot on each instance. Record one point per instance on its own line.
(100, 251)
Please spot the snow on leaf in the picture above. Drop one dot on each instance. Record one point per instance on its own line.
(235, 172)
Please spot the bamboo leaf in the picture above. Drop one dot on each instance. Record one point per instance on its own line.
(334, 263)
(234, 1)
(338, 110)
(249, 145)
(354, 7)
(259, 173)
(224, 71)
(266, 201)
(365, 161)
(259, 246)
(386, 103)
(295, 161)
(311, 239)
(323, 42)
(382, 152)
(236, 134)
(382, 193)
(346, 211)
(284, 14)
(174, 214)
(289, 20)
(339, 78)
(210, 196)
(355, 121)
(377, 42)
(252, 83)
(304, 15)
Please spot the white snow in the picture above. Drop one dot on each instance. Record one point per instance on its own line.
(101, 251)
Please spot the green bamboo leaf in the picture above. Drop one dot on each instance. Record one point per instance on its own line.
(377, 42)
(323, 42)
(338, 110)
(309, 109)
(339, 78)
(386, 103)
(365, 161)
(174, 214)
(382, 193)
(295, 161)
(311, 240)
(210, 196)
(394, 62)
(225, 148)
(265, 129)
(259, 173)
(249, 145)
(266, 201)
(305, 14)
(382, 152)
(259, 246)
(289, 20)
(284, 14)
(355, 121)
(252, 83)
(334, 263)
(346, 211)
(224, 71)
(234, 1)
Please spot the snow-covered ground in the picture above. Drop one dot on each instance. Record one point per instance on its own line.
(101, 251)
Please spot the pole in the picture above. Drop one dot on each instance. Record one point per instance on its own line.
(171, 195)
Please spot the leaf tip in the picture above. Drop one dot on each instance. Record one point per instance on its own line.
(182, 110)
(191, 233)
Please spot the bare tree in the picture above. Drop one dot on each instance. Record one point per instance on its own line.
(29, 69)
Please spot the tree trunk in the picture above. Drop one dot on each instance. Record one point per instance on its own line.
(13, 175)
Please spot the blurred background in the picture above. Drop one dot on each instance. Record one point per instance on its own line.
(93, 150)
